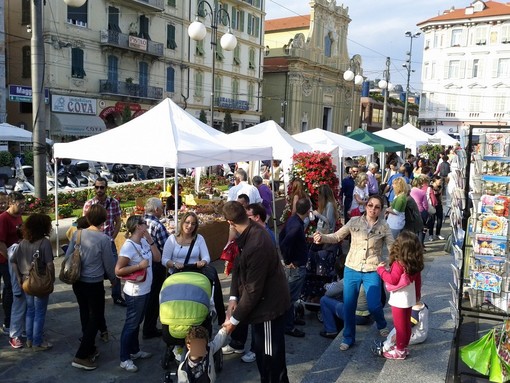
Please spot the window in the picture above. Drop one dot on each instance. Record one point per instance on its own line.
(237, 20)
(217, 86)
(505, 34)
(25, 12)
(475, 103)
(237, 50)
(253, 25)
(26, 71)
(144, 28)
(504, 68)
(199, 86)
(201, 9)
(113, 69)
(251, 94)
(451, 103)
(171, 3)
(219, 52)
(235, 89)
(170, 79)
(143, 78)
(251, 62)
(474, 71)
(377, 116)
(77, 15)
(77, 70)
(436, 41)
(454, 69)
(223, 15)
(199, 48)
(113, 19)
(327, 45)
(170, 37)
(500, 103)
(481, 36)
(456, 35)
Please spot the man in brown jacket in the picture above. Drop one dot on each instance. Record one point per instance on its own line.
(257, 274)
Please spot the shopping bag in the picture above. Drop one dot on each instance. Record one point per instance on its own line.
(498, 368)
(477, 355)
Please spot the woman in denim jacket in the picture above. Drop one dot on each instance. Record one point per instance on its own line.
(369, 233)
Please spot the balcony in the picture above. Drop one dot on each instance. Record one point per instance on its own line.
(111, 38)
(122, 88)
(144, 5)
(231, 104)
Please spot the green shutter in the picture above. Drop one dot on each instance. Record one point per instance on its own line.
(170, 37)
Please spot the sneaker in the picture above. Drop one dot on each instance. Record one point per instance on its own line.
(105, 337)
(4, 330)
(94, 355)
(249, 357)
(129, 366)
(85, 364)
(440, 237)
(16, 342)
(395, 354)
(384, 332)
(295, 333)
(228, 349)
(430, 238)
(140, 355)
(29, 343)
(42, 347)
(119, 302)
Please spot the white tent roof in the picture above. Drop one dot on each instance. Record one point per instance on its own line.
(445, 139)
(347, 147)
(412, 131)
(410, 142)
(10, 132)
(164, 136)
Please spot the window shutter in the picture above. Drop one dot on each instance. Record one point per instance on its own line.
(462, 69)
(170, 37)
(170, 79)
(249, 30)
(241, 21)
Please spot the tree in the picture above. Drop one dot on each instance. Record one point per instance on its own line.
(203, 116)
(227, 123)
(126, 114)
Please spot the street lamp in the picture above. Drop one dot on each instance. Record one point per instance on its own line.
(386, 87)
(38, 107)
(407, 65)
(197, 31)
(354, 74)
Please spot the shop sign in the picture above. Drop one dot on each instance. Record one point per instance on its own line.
(75, 105)
(22, 93)
(137, 43)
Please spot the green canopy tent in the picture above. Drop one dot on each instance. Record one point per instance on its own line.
(378, 143)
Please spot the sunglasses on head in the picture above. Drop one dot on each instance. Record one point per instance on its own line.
(100, 187)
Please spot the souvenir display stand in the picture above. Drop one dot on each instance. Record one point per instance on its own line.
(480, 206)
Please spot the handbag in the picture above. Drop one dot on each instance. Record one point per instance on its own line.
(431, 209)
(38, 284)
(71, 267)
(137, 276)
(230, 251)
(403, 282)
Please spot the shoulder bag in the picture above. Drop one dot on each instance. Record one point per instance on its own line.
(138, 275)
(70, 269)
(431, 209)
(38, 284)
(403, 282)
(186, 260)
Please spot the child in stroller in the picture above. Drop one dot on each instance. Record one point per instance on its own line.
(185, 301)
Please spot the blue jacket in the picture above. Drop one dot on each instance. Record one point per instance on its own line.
(292, 241)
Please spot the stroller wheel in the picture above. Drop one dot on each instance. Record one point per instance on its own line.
(218, 360)
(168, 378)
(319, 316)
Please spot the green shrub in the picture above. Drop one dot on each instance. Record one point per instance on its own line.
(6, 159)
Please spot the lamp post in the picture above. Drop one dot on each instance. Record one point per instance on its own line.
(407, 65)
(354, 75)
(197, 32)
(38, 107)
(386, 86)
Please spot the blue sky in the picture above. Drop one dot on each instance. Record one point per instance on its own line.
(377, 30)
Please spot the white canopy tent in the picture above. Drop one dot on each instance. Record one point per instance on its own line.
(411, 143)
(164, 136)
(413, 132)
(10, 132)
(347, 147)
(445, 139)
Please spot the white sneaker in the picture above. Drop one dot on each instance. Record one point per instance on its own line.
(249, 357)
(128, 365)
(227, 350)
(140, 355)
(440, 237)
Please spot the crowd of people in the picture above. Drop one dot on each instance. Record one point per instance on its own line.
(397, 214)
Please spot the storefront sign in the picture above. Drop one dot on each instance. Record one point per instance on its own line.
(22, 93)
(75, 105)
(137, 43)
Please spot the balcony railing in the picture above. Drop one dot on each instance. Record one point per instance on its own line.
(132, 43)
(230, 103)
(122, 88)
(155, 5)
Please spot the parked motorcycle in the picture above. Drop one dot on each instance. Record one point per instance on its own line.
(119, 173)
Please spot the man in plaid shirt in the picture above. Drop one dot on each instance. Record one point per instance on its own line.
(111, 226)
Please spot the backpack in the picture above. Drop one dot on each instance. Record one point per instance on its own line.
(444, 169)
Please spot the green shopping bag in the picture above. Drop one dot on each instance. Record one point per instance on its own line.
(499, 369)
(477, 355)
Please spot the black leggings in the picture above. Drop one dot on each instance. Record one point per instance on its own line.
(438, 217)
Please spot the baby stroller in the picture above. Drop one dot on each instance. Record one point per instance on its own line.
(320, 269)
(185, 301)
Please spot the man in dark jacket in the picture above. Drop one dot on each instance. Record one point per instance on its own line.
(257, 274)
(294, 249)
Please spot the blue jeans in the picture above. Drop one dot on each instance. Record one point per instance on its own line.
(372, 284)
(19, 307)
(36, 315)
(135, 312)
(296, 280)
(116, 288)
(333, 311)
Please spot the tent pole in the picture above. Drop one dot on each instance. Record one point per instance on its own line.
(56, 203)
(176, 199)
(274, 203)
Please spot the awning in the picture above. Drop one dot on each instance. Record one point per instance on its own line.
(64, 124)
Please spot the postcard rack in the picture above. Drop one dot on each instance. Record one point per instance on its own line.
(480, 214)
